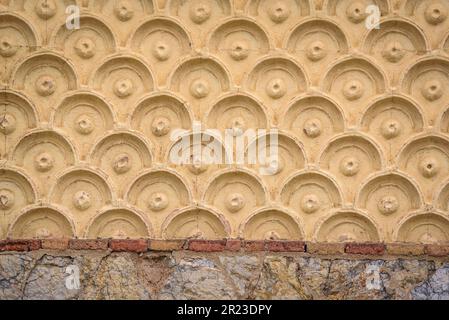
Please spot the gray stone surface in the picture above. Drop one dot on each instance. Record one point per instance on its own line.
(185, 275)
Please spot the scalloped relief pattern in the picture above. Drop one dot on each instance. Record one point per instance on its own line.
(363, 119)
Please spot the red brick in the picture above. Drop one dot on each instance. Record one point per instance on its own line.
(233, 245)
(370, 249)
(139, 245)
(167, 245)
(55, 244)
(207, 245)
(324, 248)
(254, 245)
(81, 244)
(20, 245)
(405, 249)
(285, 246)
(435, 250)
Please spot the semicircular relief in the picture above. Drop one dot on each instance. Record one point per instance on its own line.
(196, 223)
(425, 81)
(123, 15)
(271, 224)
(83, 116)
(441, 200)
(317, 42)
(198, 154)
(353, 80)
(124, 79)
(346, 226)
(157, 116)
(429, 14)
(395, 44)
(276, 80)
(42, 223)
(16, 192)
(275, 156)
(43, 154)
(392, 120)
(426, 159)
(17, 39)
(236, 193)
(199, 15)
(85, 46)
(162, 42)
(83, 192)
(200, 80)
(351, 158)
(45, 77)
(389, 197)
(426, 228)
(237, 113)
(238, 43)
(17, 116)
(118, 223)
(311, 193)
(314, 120)
(159, 193)
(122, 156)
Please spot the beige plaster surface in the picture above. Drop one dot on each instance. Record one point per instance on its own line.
(363, 119)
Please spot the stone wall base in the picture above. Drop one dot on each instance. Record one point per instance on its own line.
(222, 274)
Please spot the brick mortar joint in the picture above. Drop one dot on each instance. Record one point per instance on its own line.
(227, 245)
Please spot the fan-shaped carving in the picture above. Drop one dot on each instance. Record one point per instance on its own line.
(83, 192)
(271, 224)
(118, 223)
(353, 80)
(346, 226)
(16, 192)
(317, 42)
(17, 39)
(122, 156)
(85, 46)
(351, 158)
(237, 112)
(159, 193)
(354, 11)
(425, 81)
(198, 153)
(197, 223)
(444, 121)
(124, 79)
(395, 42)
(17, 115)
(163, 42)
(84, 116)
(276, 80)
(200, 80)
(313, 119)
(238, 42)
(442, 199)
(44, 76)
(157, 116)
(236, 193)
(279, 157)
(427, 160)
(124, 15)
(445, 44)
(44, 154)
(392, 120)
(311, 192)
(428, 228)
(199, 15)
(42, 223)
(431, 14)
(389, 195)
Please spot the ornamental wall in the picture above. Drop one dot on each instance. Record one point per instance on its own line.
(362, 115)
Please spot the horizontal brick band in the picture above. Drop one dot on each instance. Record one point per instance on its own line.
(233, 245)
